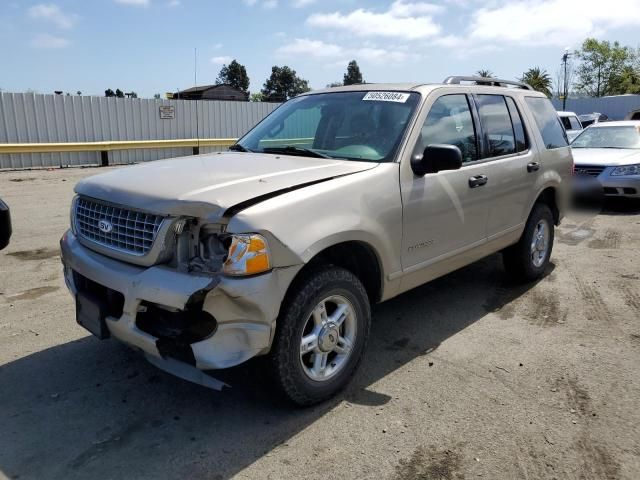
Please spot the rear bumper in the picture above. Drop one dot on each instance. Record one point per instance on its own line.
(245, 309)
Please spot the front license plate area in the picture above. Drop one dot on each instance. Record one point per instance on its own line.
(90, 313)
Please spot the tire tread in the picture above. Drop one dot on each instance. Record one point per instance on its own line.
(304, 290)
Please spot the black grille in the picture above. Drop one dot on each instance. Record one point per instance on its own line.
(590, 170)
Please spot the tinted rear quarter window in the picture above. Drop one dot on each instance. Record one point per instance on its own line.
(548, 122)
(518, 126)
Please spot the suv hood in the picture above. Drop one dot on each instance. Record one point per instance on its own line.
(609, 157)
(206, 186)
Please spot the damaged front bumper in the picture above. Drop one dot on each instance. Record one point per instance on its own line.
(206, 321)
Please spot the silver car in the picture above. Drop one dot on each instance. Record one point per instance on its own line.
(610, 152)
(339, 199)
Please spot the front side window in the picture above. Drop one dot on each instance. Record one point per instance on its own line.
(548, 122)
(361, 125)
(575, 123)
(496, 123)
(449, 122)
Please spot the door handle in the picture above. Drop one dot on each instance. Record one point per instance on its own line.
(533, 167)
(477, 181)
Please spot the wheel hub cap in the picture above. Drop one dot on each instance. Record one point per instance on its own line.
(328, 337)
(540, 243)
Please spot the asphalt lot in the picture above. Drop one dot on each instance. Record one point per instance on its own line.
(466, 377)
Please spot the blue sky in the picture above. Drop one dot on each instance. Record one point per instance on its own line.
(148, 45)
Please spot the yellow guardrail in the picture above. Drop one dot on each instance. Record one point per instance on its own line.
(113, 145)
(105, 147)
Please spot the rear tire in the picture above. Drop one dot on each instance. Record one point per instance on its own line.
(329, 309)
(527, 260)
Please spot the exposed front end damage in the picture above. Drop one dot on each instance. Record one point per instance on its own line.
(181, 315)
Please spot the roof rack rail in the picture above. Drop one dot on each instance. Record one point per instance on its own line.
(496, 82)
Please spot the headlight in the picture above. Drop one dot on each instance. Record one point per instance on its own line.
(626, 170)
(248, 255)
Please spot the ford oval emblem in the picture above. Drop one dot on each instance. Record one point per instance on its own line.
(105, 226)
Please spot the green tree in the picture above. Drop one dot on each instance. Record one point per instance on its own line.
(156, 96)
(283, 84)
(256, 97)
(602, 65)
(119, 93)
(538, 79)
(630, 80)
(109, 93)
(234, 74)
(353, 75)
(484, 74)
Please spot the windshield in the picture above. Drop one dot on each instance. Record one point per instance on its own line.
(348, 125)
(609, 137)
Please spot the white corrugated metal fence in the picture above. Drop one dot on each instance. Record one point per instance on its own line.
(34, 118)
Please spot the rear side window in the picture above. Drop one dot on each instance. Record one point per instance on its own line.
(518, 126)
(496, 123)
(566, 123)
(548, 122)
(575, 123)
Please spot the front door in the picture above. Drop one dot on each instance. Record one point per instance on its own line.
(444, 213)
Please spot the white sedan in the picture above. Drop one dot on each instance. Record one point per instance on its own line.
(571, 124)
(610, 152)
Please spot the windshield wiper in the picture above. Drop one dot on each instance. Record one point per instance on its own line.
(293, 150)
(238, 148)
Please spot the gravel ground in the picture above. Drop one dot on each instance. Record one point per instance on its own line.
(466, 377)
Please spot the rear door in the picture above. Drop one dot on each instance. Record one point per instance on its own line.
(509, 163)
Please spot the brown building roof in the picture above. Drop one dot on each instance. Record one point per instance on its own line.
(212, 92)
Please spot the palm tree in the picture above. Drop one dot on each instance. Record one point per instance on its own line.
(484, 73)
(538, 79)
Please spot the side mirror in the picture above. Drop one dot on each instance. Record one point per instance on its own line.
(5, 225)
(437, 157)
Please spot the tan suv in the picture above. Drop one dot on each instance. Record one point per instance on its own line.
(339, 199)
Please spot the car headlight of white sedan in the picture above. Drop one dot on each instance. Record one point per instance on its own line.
(626, 170)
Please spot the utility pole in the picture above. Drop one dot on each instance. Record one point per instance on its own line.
(565, 93)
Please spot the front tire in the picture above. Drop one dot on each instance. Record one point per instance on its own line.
(321, 335)
(527, 260)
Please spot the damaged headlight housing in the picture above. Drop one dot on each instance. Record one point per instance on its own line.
(626, 170)
(214, 251)
(248, 254)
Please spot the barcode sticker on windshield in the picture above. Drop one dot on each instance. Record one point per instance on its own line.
(386, 97)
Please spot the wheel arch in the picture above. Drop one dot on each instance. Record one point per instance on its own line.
(356, 256)
(549, 196)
